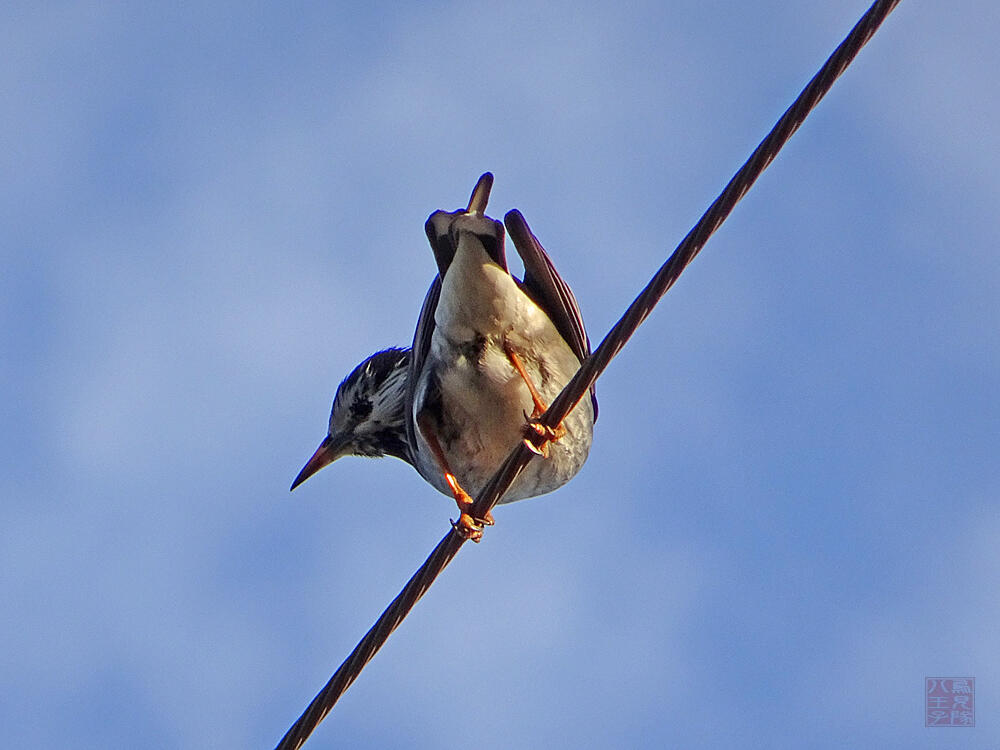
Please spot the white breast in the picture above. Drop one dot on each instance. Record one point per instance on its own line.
(480, 307)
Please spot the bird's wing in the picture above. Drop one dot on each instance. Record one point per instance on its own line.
(418, 354)
(548, 290)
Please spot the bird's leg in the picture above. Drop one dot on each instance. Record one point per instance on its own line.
(467, 526)
(536, 435)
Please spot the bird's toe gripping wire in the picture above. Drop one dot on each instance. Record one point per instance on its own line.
(468, 527)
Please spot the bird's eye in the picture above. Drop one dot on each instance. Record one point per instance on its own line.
(361, 409)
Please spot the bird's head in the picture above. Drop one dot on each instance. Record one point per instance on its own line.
(368, 416)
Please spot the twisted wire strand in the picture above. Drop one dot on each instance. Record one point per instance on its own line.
(593, 367)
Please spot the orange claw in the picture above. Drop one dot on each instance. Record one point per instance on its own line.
(468, 529)
(467, 526)
(538, 436)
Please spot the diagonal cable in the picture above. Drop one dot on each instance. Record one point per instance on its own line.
(592, 368)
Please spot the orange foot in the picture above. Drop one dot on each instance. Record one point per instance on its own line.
(537, 436)
(468, 528)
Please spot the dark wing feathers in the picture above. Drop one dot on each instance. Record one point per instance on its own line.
(418, 354)
(545, 286)
(438, 229)
(548, 290)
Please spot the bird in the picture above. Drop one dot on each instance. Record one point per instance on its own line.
(489, 352)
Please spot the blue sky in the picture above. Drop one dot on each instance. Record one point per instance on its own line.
(211, 212)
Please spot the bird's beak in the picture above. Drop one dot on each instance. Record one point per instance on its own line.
(332, 448)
